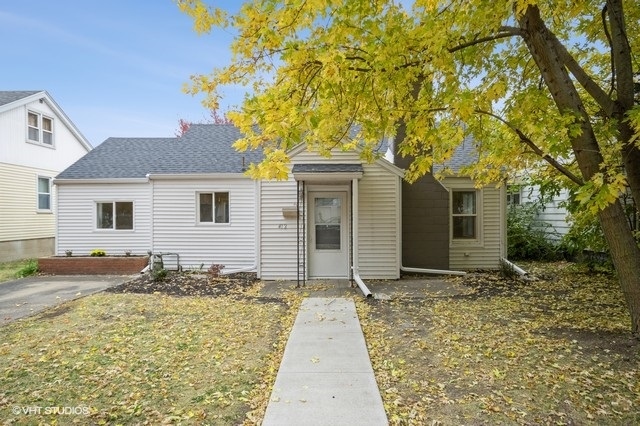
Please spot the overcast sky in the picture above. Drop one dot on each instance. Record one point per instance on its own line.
(116, 67)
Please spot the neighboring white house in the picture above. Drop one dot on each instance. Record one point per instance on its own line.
(37, 141)
(552, 215)
(190, 196)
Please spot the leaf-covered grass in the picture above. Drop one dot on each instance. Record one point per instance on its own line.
(551, 351)
(144, 359)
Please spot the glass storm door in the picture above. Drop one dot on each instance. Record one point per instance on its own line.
(329, 249)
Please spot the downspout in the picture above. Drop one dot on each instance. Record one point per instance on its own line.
(513, 266)
(354, 260)
(432, 271)
(235, 271)
(363, 288)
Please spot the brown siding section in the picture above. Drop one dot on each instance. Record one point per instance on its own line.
(92, 265)
(425, 224)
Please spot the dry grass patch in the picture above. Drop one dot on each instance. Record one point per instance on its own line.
(552, 351)
(144, 359)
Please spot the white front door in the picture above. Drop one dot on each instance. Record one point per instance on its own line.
(328, 235)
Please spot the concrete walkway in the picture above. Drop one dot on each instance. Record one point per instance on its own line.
(325, 377)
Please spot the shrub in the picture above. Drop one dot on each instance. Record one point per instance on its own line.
(31, 268)
(528, 238)
(98, 253)
(159, 274)
(215, 269)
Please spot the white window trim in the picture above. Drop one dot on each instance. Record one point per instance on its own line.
(38, 209)
(113, 228)
(40, 129)
(478, 241)
(213, 222)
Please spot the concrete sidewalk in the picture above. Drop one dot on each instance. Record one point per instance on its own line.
(325, 377)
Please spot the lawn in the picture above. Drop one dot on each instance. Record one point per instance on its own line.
(551, 350)
(555, 350)
(143, 359)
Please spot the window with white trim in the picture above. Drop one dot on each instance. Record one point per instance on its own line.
(514, 196)
(464, 215)
(213, 207)
(44, 193)
(39, 128)
(114, 215)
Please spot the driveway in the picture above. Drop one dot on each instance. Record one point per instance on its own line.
(28, 296)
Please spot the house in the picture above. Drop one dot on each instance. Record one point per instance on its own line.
(189, 197)
(37, 141)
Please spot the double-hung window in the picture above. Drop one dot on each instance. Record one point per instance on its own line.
(39, 128)
(114, 215)
(44, 193)
(464, 215)
(213, 207)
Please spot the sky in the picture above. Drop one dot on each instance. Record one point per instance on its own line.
(115, 67)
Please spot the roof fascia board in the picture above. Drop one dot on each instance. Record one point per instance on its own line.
(193, 176)
(327, 176)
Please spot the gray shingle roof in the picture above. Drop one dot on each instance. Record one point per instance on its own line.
(464, 155)
(205, 148)
(8, 96)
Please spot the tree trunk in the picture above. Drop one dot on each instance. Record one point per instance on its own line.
(624, 249)
(624, 85)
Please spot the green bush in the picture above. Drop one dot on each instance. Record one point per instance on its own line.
(98, 253)
(159, 274)
(31, 268)
(528, 238)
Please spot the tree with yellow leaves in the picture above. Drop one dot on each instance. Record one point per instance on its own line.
(534, 82)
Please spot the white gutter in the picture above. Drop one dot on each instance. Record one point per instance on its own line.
(513, 266)
(432, 271)
(100, 181)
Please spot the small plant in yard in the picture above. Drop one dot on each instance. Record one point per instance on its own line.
(98, 253)
(215, 270)
(159, 274)
(127, 253)
(69, 253)
(31, 268)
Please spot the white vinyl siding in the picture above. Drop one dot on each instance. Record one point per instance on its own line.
(379, 220)
(552, 217)
(77, 230)
(176, 228)
(15, 150)
(278, 239)
(20, 217)
(485, 251)
(379, 224)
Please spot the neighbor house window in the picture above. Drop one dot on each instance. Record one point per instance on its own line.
(44, 193)
(513, 196)
(39, 128)
(213, 207)
(464, 215)
(114, 215)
